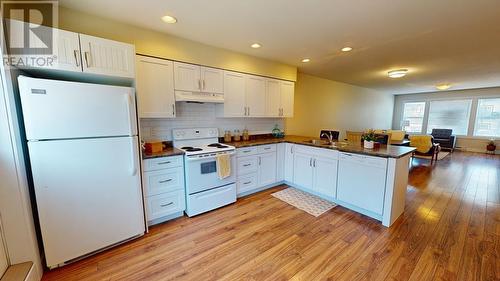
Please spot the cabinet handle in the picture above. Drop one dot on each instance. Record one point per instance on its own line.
(163, 163)
(246, 151)
(246, 165)
(87, 59)
(267, 148)
(199, 84)
(248, 182)
(173, 109)
(310, 162)
(260, 160)
(76, 53)
(291, 149)
(245, 111)
(164, 181)
(314, 163)
(203, 83)
(168, 204)
(249, 111)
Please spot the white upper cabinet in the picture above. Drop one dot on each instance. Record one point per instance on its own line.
(234, 95)
(187, 77)
(107, 57)
(255, 96)
(287, 90)
(195, 78)
(155, 87)
(212, 80)
(68, 51)
(273, 98)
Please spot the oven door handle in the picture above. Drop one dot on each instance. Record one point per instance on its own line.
(188, 158)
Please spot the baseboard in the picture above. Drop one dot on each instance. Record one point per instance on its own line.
(165, 218)
(259, 189)
(475, 150)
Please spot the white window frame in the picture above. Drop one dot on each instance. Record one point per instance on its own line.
(401, 119)
(471, 100)
(473, 120)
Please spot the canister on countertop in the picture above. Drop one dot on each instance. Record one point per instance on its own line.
(227, 136)
(237, 135)
(154, 146)
(245, 135)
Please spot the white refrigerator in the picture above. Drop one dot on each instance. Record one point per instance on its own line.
(84, 154)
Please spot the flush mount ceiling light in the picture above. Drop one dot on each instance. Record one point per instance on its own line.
(444, 86)
(397, 73)
(256, 45)
(306, 60)
(346, 49)
(169, 19)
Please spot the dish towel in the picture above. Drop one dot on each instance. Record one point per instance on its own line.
(422, 143)
(223, 165)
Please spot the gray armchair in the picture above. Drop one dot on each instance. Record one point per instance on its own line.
(445, 138)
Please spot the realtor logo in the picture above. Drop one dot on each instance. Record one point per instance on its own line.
(30, 39)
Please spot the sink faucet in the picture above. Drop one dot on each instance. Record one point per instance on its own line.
(329, 136)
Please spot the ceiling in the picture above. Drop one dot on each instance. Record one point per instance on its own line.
(444, 41)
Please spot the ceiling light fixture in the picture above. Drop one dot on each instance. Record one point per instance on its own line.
(169, 19)
(306, 60)
(444, 86)
(346, 49)
(256, 45)
(398, 73)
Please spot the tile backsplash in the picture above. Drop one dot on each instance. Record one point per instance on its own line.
(192, 115)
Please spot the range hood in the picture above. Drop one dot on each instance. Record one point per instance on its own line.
(199, 97)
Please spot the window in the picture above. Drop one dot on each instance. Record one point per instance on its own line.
(449, 114)
(413, 117)
(488, 118)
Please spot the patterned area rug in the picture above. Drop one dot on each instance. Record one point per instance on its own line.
(304, 201)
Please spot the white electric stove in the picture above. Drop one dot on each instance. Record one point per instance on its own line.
(205, 191)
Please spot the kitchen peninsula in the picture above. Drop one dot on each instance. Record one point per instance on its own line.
(369, 181)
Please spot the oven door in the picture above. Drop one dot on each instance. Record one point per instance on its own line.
(201, 174)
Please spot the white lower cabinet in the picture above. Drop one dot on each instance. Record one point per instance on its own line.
(315, 169)
(164, 188)
(256, 168)
(362, 181)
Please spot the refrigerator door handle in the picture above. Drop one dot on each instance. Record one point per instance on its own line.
(129, 111)
(133, 149)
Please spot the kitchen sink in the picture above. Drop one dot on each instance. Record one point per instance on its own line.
(317, 142)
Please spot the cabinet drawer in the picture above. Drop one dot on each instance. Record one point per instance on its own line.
(317, 151)
(245, 151)
(247, 183)
(266, 148)
(165, 204)
(166, 180)
(247, 165)
(163, 163)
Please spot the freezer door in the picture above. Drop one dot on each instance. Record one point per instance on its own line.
(55, 109)
(88, 194)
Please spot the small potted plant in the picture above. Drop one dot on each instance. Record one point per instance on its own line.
(491, 146)
(369, 139)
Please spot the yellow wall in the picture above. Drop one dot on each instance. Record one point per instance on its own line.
(325, 104)
(150, 42)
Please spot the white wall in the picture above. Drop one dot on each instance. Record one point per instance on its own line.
(192, 115)
(467, 143)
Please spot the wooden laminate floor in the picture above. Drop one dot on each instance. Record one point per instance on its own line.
(450, 231)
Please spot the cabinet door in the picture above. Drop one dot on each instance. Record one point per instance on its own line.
(155, 87)
(255, 96)
(280, 162)
(267, 168)
(273, 98)
(212, 80)
(303, 170)
(288, 164)
(234, 94)
(107, 57)
(187, 77)
(287, 95)
(68, 51)
(325, 176)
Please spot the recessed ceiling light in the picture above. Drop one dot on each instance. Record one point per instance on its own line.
(444, 86)
(306, 60)
(398, 73)
(256, 45)
(169, 19)
(346, 49)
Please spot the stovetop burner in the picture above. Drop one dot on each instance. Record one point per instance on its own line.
(217, 145)
(191, 149)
